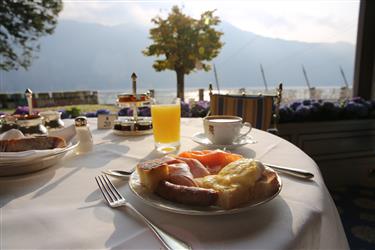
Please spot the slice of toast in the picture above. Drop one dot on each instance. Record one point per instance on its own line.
(152, 172)
(266, 186)
(230, 194)
(241, 182)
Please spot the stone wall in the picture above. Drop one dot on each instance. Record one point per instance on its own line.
(48, 99)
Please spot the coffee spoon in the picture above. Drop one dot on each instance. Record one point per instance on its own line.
(117, 173)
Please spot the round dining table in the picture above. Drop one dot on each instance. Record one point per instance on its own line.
(61, 207)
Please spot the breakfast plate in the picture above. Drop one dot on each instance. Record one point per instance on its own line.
(201, 139)
(163, 204)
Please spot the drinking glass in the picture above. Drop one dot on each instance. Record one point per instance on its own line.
(166, 115)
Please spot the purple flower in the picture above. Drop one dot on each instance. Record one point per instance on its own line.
(316, 105)
(302, 113)
(102, 112)
(295, 105)
(311, 110)
(123, 112)
(358, 99)
(328, 105)
(129, 112)
(144, 111)
(286, 114)
(64, 114)
(203, 104)
(185, 109)
(354, 110)
(306, 102)
(22, 110)
(91, 114)
(200, 109)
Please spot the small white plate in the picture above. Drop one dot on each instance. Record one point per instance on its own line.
(201, 139)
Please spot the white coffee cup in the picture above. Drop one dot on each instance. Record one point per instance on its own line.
(224, 129)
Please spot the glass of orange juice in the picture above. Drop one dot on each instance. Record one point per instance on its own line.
(166, 116)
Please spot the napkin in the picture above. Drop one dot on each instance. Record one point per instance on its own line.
(11, 134)
(67, 133)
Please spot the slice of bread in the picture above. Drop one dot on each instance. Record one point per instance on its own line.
(241, 182)
(230, 194)
(233, 196)
(266, 186)
(32, 143)
(152, 172)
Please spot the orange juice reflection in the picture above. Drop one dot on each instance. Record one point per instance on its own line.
(166, 122)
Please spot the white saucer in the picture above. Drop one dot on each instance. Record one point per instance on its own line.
(201, 139)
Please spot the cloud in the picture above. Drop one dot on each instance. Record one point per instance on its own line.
(312, 21)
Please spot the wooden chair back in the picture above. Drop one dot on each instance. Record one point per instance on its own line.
(260, 110)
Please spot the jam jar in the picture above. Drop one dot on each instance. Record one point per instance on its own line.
(31, 125)
(52, 120)
(123, 125)
(7, 122)
(143, 124)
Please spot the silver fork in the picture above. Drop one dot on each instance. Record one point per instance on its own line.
(115, 199)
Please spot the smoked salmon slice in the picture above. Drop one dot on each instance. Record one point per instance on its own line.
(213, 160)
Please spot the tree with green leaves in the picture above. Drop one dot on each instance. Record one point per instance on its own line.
(184, 44)
(22, 23)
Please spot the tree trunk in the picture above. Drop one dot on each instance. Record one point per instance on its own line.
(180, 84)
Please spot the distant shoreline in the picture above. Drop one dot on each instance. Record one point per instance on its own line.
(289, 94)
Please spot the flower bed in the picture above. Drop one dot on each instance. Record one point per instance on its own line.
(193, 109)
(312, 110)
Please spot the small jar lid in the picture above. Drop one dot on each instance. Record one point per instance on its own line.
(132, 98)
(144, 122)
(127, 123)
(80, 121)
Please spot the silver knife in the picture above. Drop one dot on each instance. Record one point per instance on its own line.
(293, 171)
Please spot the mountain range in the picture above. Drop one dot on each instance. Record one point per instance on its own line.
(95, 57)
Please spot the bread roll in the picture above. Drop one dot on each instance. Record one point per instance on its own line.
(32, 143)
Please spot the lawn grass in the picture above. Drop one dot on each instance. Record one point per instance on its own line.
(84, 108)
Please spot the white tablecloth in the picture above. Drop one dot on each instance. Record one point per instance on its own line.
(62, 208)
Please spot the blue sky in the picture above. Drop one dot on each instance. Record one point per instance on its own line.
(304, 20)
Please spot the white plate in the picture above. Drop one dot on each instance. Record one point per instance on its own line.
(163, 204)
(10, 157)
(201, 139)
(27, 165)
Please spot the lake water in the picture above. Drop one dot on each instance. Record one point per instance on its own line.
(289, 94)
